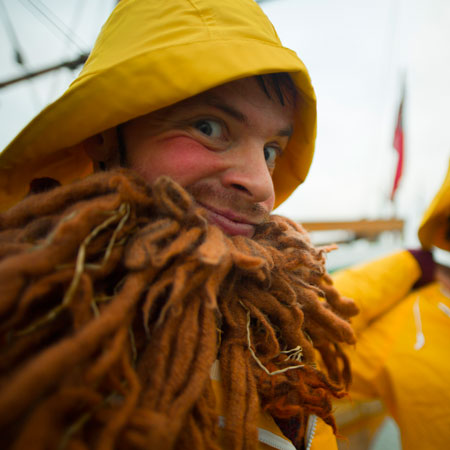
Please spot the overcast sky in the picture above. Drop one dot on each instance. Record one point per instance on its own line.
(358, 53)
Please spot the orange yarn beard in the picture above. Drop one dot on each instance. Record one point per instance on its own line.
(116, 299)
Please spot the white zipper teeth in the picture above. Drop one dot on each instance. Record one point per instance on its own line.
(271, 439)
(311, 431)
(267, 437)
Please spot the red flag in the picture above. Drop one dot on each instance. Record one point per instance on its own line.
(399, 147)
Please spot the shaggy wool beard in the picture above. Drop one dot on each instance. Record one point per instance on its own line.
(118, 297)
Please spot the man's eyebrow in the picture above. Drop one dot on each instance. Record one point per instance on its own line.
(238, 115)
(227, 109)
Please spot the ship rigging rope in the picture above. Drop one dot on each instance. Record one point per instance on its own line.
(41, 11)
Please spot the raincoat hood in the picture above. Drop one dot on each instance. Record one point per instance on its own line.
(151, 54)
(436, 220)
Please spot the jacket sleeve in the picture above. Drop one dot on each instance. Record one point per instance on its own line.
(378, 285)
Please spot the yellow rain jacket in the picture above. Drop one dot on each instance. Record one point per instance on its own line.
(149, 55)
(403, 336)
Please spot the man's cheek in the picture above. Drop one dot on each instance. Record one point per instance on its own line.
(186, 160)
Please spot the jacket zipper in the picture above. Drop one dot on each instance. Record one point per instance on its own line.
(310, 431)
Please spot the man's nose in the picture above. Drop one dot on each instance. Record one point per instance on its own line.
(249, 174)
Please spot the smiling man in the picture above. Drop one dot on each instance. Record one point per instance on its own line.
(221, 145)
(150, 300)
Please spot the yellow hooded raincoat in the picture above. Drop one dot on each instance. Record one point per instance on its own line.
(403, 335)
(149, 55)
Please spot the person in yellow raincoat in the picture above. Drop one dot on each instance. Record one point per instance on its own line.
(403, 331)
(199, 90)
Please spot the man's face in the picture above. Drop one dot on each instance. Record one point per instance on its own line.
(221, 146)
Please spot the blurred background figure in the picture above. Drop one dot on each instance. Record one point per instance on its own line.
(401, 355)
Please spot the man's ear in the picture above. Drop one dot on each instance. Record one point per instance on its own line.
(102, 148)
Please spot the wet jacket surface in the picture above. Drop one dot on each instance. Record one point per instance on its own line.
(401, 355)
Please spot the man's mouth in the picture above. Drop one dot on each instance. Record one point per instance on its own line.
(229, 222)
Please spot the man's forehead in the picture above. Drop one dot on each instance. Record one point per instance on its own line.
(218, 94)
(241, 87)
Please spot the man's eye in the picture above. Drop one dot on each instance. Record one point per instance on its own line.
(270, 154)
(209, 127)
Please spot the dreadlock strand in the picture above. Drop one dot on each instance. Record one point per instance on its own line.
(175, 346)
(267, 344)
(233, 370)
(147, 240)
(212, 284)
(111, 354)
(344, 306)
(181, 244)
(204, 356)
(131, 187)
(240, 428)
(252, 407)
(205, 421)
(213, 250)
(244, 260)
(330, 325)
(154, 361)
(184, 343)
(201, 427)
(344, 372)
(80, 306)
(180, 288)
(281, 287)
(39, 205)
(289, 319)
(317, 312)
(330, 354)
(110, 432)
(108, 264)
(23, 347)
(196, 437)
(171, 197)
(51, 423)
(157, 289)
(31, 297)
